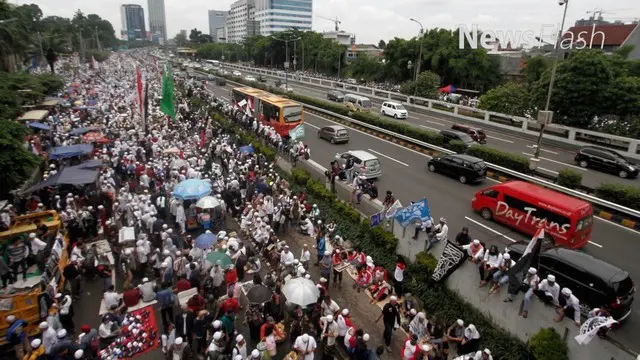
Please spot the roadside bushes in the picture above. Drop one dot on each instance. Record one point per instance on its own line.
(569, 178)
(502, 158)
(457, 146)
(625, 195)
(547, 344)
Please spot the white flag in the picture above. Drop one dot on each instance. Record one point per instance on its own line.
(590, 328)
(242, 103)
(393, 209)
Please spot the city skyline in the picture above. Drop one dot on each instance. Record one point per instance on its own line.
(372, 20)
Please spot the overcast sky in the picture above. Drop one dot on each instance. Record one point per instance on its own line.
(372, 20)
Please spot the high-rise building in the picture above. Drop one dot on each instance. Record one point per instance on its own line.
(217, 20)
(241, 21)
(157, 19)
(133, 24)
(280, 15)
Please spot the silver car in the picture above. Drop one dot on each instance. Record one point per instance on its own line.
(334, 133)
(365, 164)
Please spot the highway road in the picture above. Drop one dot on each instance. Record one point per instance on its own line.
(405, 173)
(553, 158)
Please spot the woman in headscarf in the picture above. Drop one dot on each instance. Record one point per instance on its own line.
(470, 341)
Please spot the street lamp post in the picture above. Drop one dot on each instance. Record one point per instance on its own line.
(415, 79)
(286, 63)
(545, 117)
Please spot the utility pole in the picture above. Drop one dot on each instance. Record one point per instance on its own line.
(295, 56)
(339, 62)
(302, 41)
(98, 40)
(286, 64)
(41, 49)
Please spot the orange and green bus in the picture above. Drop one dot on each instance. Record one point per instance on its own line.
(281, 113)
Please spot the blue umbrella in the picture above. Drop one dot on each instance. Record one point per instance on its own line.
(206, 240)
(192, 189)
(246, 149)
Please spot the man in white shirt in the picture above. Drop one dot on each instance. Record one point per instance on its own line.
(305, 346)
(442, 233)
(37, 245)
(49, 336)
(329, 307)
(111, 298)
(548, 291)
(286, 256)
(305, 257)
(330, 332)
(569, 306)
(342, 322)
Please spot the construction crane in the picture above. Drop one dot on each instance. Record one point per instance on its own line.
(335, 21)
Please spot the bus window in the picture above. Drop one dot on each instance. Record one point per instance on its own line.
(270, 112)
(292, 113)
(238, 97)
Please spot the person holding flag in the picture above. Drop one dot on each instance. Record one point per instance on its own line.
(522, 269)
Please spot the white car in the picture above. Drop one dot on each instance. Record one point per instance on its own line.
(250, 78)
(286, 88)
(394, 109)
(236, 73)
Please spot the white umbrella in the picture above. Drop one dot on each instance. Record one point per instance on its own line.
(208, 202)
(178, 163)
(173, 150)
(301, 291)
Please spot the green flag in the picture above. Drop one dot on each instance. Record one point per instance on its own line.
(167, 104)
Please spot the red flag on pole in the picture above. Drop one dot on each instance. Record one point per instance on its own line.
(139, 83)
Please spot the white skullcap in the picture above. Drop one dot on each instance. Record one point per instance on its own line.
(35, 343)
(393, 298)
(345, 312)
(421, 315)
(305, 338)
(365, 337)
(487, 351)
(145, 279)
(62, 333)
(178, 341)
(413, 311)
(566, 291)
(551, 278)
(255, 353)
(128, 251)
(238, 357)
(217, 335)
(476, 242)
(460, 322)
(532, 270)
(32, 235)
(166, 252)
(11, 318)
(217, 324)
(44, 325)
(329, 318)
(506, 256)
(78, 354)
(239, 338)
(307, 276)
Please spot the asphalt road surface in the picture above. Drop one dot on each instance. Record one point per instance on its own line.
(405, 173)
(553, 158)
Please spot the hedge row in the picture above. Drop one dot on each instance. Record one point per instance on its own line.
(377, 242)
(625, 195)
(569, 178)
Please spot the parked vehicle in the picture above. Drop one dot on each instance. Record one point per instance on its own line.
(335, 95)
(394, 109)
(525, 207)
(465, 168)
(351, 81)
(606, 160)
(236, 73)
(357, 102)
(334, 133)
(250, 78)
(477, 134)
(220, 81)
(595, 283)
(262, 78)
(451, 135)
(365, 163)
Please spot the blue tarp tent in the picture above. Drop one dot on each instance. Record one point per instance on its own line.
(79, 131)
(89, 164)
(63, 152)
(68, 176)
(38, 125)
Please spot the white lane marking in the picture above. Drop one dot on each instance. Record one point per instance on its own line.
(545, 150)
(388, 157)
(372, 136)
(430, 128)
(595, 244)
(618, 225)
(555, 161)
(490, 229)
(313, 126)
(437, 123)
(224, 98)
(497, 138)
(547, 170)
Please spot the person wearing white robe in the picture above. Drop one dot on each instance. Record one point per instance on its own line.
(181, 218)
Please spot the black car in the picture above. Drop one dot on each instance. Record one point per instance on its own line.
(463, 167)
(335, 95)
(595, 283)
(606, 160)
(450, 135)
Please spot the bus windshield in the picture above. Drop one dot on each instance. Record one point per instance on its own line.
(292, 113)
(366, 103)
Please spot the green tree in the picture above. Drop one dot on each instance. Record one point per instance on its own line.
(382, 44)
(194, 35)
(15, 160)
(181, 39)
(510, 98)
(534, 68)
(426, 85)
(367, 68)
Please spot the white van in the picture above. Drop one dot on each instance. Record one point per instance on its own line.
(394, 109)
(357, 102)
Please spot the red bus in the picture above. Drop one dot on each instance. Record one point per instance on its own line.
(526, 207)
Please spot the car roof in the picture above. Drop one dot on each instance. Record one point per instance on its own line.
(362, 155)
(579, 260)
(600, 149)
(471, 159)
(547, 196)
(335, 127)
(459, 133)
(393, 102)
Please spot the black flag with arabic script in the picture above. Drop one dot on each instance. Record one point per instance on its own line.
(529, 259)
(452, 257)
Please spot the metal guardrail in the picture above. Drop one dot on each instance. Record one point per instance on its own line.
(577, 137)
(586, 197)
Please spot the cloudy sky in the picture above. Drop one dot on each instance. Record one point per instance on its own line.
(372, 20)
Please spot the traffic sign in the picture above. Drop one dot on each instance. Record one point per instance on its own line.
(286, 64)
